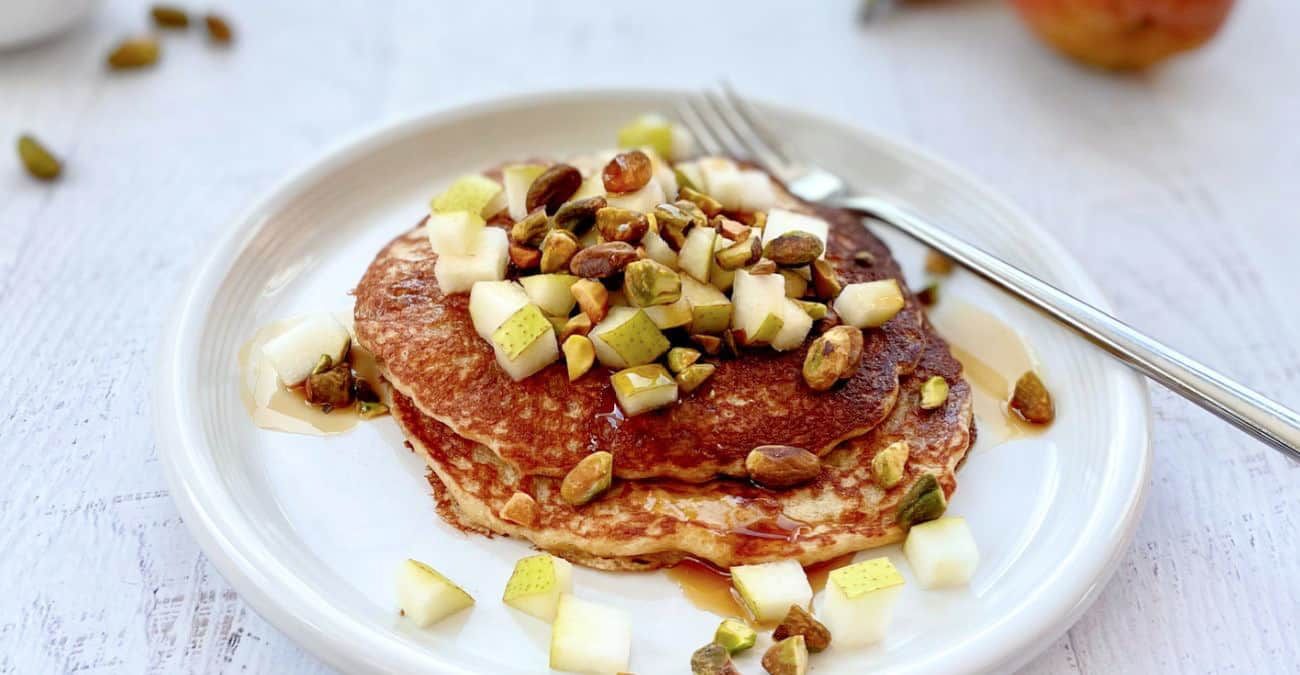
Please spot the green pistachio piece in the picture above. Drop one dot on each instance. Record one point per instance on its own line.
(934, 392)
(924, 501)
(646, 283)
(680, 357)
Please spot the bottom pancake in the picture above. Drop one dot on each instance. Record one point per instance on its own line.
(645, 524)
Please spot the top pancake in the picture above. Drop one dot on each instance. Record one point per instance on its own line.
(545, 424)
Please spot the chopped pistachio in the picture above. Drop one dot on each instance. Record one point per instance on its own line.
(330, 388)
(521, 509)
(924, 501)
(532, 229)
(816, 310)
(796, 284)
(579, 324)
(711, 344)
(558, 322)
(219, 30)
(680, 357)
(588, 478)
(617, 224)
(710, 206)
(887, 466)
(787, 657)
(938, 263)
(524, 258)
(731, 342)
(798, 621)
(579, 215)
(934, 393)
(763, 266)
(38, 161)
(794, 249)
(692, 376)
(558, 247)
(134, 53)
(833, 356)
(735, 635)
(169, 16)
(672, 221)
(712, 659)
(579, 355)
(646, 283)
(371, 409)
(1031, 400)
(324, 363)
(592, 297)
(826, 283)
(731, 229)
(739, 254)
(929, 295)
(864, 258)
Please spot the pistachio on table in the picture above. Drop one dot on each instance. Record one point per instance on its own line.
(219, 30)
(732, 338)
(1031, 400)
(731, 229)
(579, 215)
(38, 161)
(558, 248)
(934, 392)
(710, 206)
(592, 297)
(693, 376)
(627, 172)
(826, 323)
(552, 188)
(712, 659)
(924, 501)
(617, 224)
(169, 16)
(815, 310)
(739, 254)
(672, 222)
(520, 509)
(888, 464)
(531, 229)
(794, 249)
(929, 295)
(680, 357)
(826, 283)
(787, 657)
(602, 260)
(134, 53)
(798, 621)
(588, 478)
(523, 257)
(833, 356)
(796, 284)
(781, 466)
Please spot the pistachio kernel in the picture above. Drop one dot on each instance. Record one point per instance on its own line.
(787, 657)
(924, 501)
(38, 161)
(712, 659)
(602, 260)
(680, 357)
(934, 392)
(524, 258)
(710, 206)
(324, 363)
(828, 322)
(362, 391)
(739, 254)
(627, 172)
(588, 478)
(578, 324)
(698, 217)
(693, 376)
(617, 224)
(815, 310)
(169, 16)
(937, 263)
(579, 355)
(552, 188)
(833, 356)
(794, 249)
(134, 53)
(371, 409)
(558, 248)
(593, 299)
(798, 621)
(331, 388)
(864, 258)
(826, 283)
(888, 464)
(781, 466)
(579, 215)
(796, 285)
(735, 635)
(219, 30)
(730, 229)
(521, 509)
(763, 266)
(532, 229)
(929, 295)
(711, 344)
(732, 338)
(1031, 400)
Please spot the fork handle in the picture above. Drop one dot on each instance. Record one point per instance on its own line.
(1264, 419)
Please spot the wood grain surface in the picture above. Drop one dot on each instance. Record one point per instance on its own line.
(1178, 189)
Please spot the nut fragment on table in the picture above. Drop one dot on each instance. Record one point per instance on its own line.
(693, 376)
(826, 282)
(579, 215)
(710, 206)
(531, 229)
(712, 659)
(134, 53)
(938, 263)
(219, 30)
(787, 657)
(934, 393)
(1031, 400)
(616, 224)
(924, 501)
(592, 297)
(888, 464)
(39, 162)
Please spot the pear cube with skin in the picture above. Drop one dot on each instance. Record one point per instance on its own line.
(658, 250)
(627, 337)
(768, 589)
(672, 315)
(294, 353)
(795, 324)
(859, 602)
(870, 304)
(942, 552)
(518, 178)
(473, 193)
(551, 292)
(643, 388)
(587, 637)
(537, 583)
(458, 273)
(710, 307)
(780, 221)
(492, 302)
(643, 200)
(696, 256)
(425, 596)
(457, 233)
(648, 130)
(525, 343)
(759, 306)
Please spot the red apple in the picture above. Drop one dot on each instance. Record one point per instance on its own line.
(1124, 34)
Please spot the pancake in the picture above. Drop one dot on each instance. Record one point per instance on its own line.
(645, 524)
(544, 425)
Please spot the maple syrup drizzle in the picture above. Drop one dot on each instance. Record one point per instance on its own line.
(709, 588)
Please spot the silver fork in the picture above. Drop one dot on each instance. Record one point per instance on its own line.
(724, 124)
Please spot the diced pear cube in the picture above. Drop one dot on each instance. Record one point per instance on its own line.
(590, 638)
(458, 273)
(455, 233)
(525, 343)
(859, 603)
(696, 256)
(794, 327)
(425, 596)
(869, 304)
(474, 193)
(652, 130)
(551, 292)
(627, 337)
(758, 305)
(942, 552)
(492, 302)
(768, 589)
(756, 191)
(710, 308)
(518, 178)
(537, 583)
(672, 315)
(643, 200)
(659, 250)
(643, 388)
(293, 354)
(780, 221)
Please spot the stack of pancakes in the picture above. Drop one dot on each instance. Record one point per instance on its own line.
(679, 485)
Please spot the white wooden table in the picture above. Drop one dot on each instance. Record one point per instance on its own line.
(1179, 190)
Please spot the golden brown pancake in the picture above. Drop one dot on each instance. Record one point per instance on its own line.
(645, 524)
(545, 424)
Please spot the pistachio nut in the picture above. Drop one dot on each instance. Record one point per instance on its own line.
(371, 409)
(521, 509)
(531, 229)
(924, 501)
(134, 53)
(558, 248)
(1031, 400)
(711, 344)
(588, 478)
(731, 229)
(579, 215)
(712, 659)
(798, 621)
(592, 297)
(833, 356)
(617, 224)
(552, 188)
(219, 30)
(710, 206)
(934, 392)
(826, 283)
(781, 466)
(602, 260)
(937, 263)
(794, 249)
(888, 464)
(169, 16)
(739, 254)
(627, 172)
(38, 161)
(525, 258)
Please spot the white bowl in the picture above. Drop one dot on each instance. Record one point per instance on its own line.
(23, 22)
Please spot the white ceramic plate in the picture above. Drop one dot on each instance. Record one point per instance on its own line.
(310, 530)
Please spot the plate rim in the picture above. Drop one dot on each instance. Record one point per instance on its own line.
(315, 625)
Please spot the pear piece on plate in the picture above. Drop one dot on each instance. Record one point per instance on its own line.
(294, 353)
(643, 200)
(551, 292)
(869, 304)
(759, 306)
(710, 308)
(425, 596)
(643, 388)
(492, 302)
(768, 589)
(473, 193)
(780, 221)
(525, 343)
(457, 273)
(537, 583)
(627, 337)
(942, 552)
(696, 256)
(672, 315)
(590, 638)
(455, 233)
(518, 178)
(795, 324)
(659, 250)
(860, 600)
(652, 130)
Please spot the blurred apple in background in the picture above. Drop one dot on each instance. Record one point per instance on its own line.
(1124, 34)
